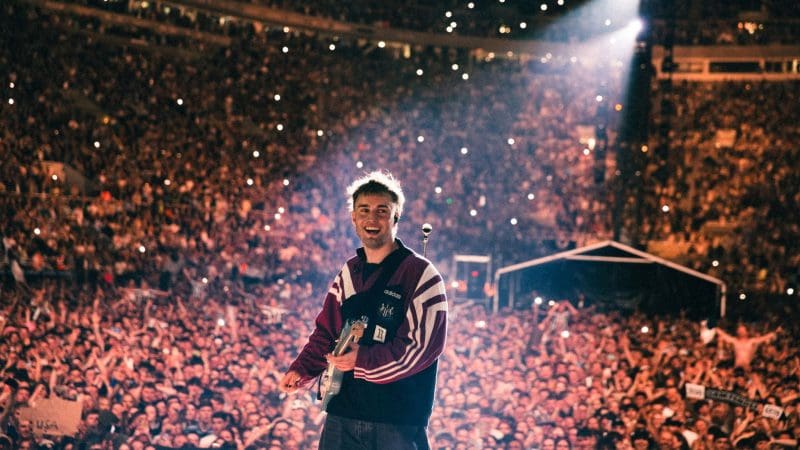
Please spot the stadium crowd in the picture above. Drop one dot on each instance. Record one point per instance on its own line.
(169, 289)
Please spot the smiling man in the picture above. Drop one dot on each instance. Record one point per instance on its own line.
(389, 379)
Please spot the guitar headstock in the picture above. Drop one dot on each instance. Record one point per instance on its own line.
(357, 330)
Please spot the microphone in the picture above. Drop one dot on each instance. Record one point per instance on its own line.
(426, 230)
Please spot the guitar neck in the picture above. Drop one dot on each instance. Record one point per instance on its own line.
(341, 346)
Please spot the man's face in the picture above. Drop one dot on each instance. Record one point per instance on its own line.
(374, 219)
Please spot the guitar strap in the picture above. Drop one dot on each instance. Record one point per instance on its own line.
(387, 269)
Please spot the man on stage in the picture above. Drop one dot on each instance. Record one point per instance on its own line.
(389, 379)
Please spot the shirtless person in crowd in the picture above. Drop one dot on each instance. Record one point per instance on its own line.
(744, 346)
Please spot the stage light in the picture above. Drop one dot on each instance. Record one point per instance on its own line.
(454, 67)
(420, 139)
(267, 228)
(11, 101)
(359, 164)
(464, 150)
(285, 49)
(167, 182)
(586, 151)
(645, 329)
(142, 249)
(437, 189)
(531, 196)
(665, 208)
(543, 6)
(513, 221)
(277, 97)
(465, 76)
(281, 210)
(249, 181)
(381, 44)
(523, 25)
(471, 5)
(179, 102)
(449, 29)
(277, 216)
(715, 263)
(96, 144)
(742, 296)
(204, 280)
(551, 303)
(285, 181)
(419, 72)
(332, 47)
(256, 153)
(286, 29)
(473, 212)
(790, 291)
(453, 25)
(11, 85)
(448, 14)
(645, 148)
(538, 300)
(279, 127)
(54, 177)
(599, 98)
(320, 133)
(37, 231)
(511, 141)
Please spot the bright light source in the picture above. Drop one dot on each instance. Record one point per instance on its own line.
(464, 150)
(267, 227)
(285, 49)
(511, 141)
(285, 181)
(586, 151)
(523, 25)
(204, 280)
(419, 72)
(551, 303)
(618, 107)
(381, 44)
(473, 212)
(221, 322)
(167, 182)
(279, 127)
(142, 249)
(513, 221)
(645, 148)
(560, 2)
(437, 189)
(250, 181)
(538, 300)
(11, 101)
(54, 177)
(715, 263)
(96, 144)
(645, 329)
(277, 97)
(471, 5)
(449, 29)
(281, 209)
(454, 67)
(665, 208)
(531, 196)
(573, 59)
(742, 296)
(179, 102)
(636, 25)
(359, 164)
(790, 291)
(465, 76)
(277, 216)
(286, 29)
(607, 22)
(543, 6)
(454, 284)
(320, 133)
(480, 324)
(256, 153)
(37, 231)
(453, 25)
(565, 334)
(599, 98)
(332, 47)
(11, 85)
(420, 138)
(448, 14)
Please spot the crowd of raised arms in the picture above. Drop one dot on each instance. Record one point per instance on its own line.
(169, 292)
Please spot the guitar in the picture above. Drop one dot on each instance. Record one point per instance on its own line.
(331, 380)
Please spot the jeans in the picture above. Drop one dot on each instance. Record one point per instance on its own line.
(340, 433)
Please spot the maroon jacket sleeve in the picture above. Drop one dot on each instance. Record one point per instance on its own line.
(419, 340)
(311, 360)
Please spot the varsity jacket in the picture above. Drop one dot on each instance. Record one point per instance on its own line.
(394, 379)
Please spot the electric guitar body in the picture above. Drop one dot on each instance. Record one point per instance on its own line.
(331, 380)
